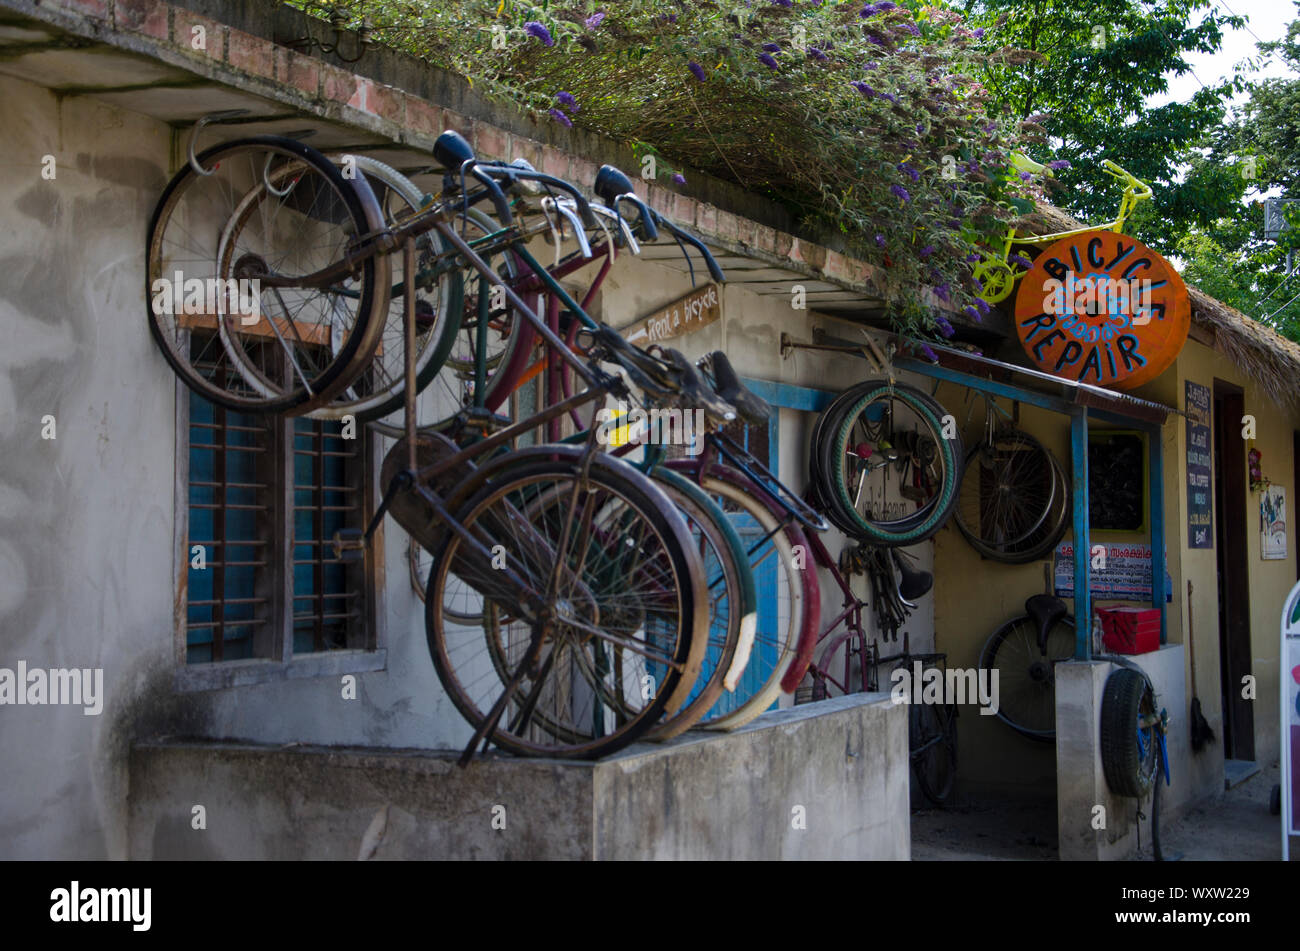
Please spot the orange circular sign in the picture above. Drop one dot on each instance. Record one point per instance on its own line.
(1102, 308)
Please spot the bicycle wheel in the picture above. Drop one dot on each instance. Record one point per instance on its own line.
(885, 453)
(461, 602)
(1046, 537)
(378, 390)
(789, 601)
(1008, 489)
(619, 631)
(269, 205)
(1026, 675)
(729, 582)
(932, 741)
(507, 347)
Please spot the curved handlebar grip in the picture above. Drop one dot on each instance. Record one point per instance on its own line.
(714, 270)
(499, 200)
(646, 216)
(451, 150)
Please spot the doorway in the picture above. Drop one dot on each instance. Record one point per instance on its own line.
(1230, 526)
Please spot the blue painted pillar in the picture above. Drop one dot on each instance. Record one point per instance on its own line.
(1156, 467)
(1082, 542)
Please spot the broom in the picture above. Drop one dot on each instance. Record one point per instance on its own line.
(1201, 732)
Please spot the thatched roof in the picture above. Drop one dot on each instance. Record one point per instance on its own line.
(1261, 352)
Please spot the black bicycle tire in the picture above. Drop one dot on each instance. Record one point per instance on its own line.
(672, 531)
(1053, 537)
(343, 360)
(988, 655)
(976, 540)
(1128, 772)
(946, 720)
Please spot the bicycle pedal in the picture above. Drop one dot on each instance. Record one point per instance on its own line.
(483, 421)
(349, 544)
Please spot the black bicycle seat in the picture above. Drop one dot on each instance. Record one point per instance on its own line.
(1046, 610)
(610, 183)
(914, 582)
(750, 407)
(695, 391)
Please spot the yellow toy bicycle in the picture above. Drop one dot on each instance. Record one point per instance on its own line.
(997, 274)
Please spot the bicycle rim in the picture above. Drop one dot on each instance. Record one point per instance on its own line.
(259, 349)
(1027, 676)
(785, 606)
(624, 645)
(378, 389)
(1008, 490)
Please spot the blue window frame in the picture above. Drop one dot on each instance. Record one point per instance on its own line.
(265, 497)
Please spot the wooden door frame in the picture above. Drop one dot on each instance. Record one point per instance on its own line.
(1231, 521)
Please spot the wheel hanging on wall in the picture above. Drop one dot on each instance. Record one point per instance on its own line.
(1130, 746)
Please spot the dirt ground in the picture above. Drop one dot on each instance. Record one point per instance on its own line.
(1235, 826)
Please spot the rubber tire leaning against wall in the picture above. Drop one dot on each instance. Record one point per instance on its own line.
(1129, 771)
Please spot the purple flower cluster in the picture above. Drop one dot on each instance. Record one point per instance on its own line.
(972, 313)
(679, 178)
(886, 6)
(697, 70)
(899, 192)
(912, 28)
(943, 292)
(909, 170)
(567, 101)
(1021, 260)
(863, 88)
(880, 240)
(538, 30)
(869, 10)
(982, 304)
(593, 21)
(767, 60)
(817, 54)
(772, 47)
(945, 328)
(560, 117)
(930, 354)
(979, 33)
(1057, 164)
(926, 252)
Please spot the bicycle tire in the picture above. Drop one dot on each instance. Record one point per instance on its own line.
(434, 342)
(935, 512)
(934, 766)
(732, 601)
(169, 250)
(1001, 492)
(1130, 770)
(664, 537)
(1012, 651)
(791, 635)
(1049, 534)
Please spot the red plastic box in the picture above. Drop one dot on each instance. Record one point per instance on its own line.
(1130, 630)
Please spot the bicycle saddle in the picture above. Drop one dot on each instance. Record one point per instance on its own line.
(914, 582)
(695, 391)
(750, 408)
(1046, 610)
(610, 183)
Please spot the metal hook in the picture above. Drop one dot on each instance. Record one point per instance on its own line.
(220, 116)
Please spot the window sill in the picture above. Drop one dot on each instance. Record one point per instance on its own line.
(243, 673)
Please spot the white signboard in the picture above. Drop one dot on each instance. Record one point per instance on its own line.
(1272, 522)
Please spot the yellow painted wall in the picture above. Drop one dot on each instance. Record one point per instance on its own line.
(974, 596)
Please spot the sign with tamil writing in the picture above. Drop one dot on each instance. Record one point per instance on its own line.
(1199, 463)
(697, 309)
(1126, 577)
(1102, 308)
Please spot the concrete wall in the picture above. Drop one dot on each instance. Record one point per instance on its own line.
(1115, 832)
(798, 784)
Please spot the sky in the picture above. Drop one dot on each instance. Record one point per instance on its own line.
(1266, 20)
